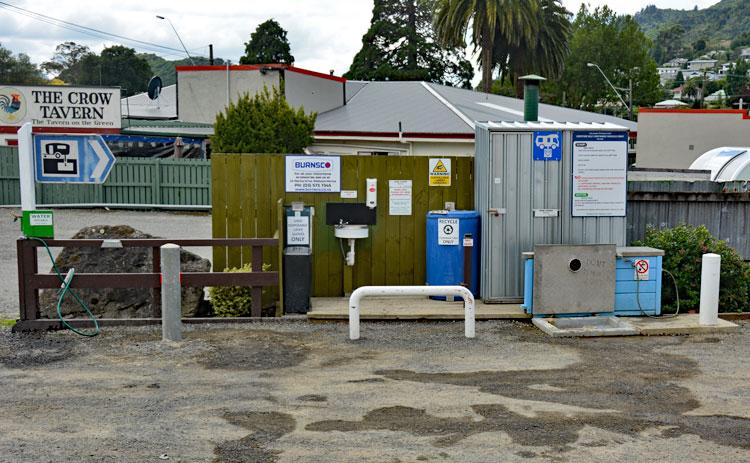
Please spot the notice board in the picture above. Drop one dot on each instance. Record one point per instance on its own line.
(600, 162)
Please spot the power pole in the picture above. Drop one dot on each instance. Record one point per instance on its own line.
(630, 98)
(211, 54)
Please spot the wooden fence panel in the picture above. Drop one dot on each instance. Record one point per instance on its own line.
(394, 253)
(134, 181)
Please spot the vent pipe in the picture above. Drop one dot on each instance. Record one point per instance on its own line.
(531, 84)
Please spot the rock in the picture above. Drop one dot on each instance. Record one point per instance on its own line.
(118, 302)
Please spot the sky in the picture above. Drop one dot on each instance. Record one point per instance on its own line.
(324, 34)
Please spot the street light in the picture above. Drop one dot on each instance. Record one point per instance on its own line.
(178, 38)
(630, 107)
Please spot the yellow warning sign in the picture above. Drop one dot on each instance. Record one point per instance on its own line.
(440, 172)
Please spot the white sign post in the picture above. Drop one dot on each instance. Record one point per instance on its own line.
(600, 161)
(313, 174)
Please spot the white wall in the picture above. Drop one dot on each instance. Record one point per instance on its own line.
(314, 94)
(673, 139)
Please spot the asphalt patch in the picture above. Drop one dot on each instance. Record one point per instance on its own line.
(254, 350)
(34, 349)
(266, 428)
(634, 379)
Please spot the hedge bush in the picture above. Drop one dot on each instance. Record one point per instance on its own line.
(684, 247)
(233, 301)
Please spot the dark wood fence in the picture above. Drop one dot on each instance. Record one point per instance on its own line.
(723, 208)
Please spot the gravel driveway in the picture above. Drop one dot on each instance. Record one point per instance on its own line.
(69, 221)
(406, 392)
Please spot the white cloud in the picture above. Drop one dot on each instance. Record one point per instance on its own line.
(324, 34)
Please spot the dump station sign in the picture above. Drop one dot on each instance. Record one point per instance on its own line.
(90, 108)
(599, 174)
(313, 174)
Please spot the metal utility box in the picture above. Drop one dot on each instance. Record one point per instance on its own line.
(298, 220)
(452, 246)
(638, 282)
(545, 183)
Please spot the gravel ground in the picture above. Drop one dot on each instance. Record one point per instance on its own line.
(69, 221)
(406, 392)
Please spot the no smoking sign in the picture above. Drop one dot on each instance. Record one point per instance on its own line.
(641, 269)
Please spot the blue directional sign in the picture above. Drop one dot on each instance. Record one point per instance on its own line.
(71, 159)
(547, 146)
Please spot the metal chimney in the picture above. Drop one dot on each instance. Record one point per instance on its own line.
(531, 84)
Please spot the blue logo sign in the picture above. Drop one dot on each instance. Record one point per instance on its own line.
(72, 159)
(547, 146)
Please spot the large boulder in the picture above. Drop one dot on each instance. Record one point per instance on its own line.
(118, 302)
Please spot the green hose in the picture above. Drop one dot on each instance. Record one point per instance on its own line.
(65, 289)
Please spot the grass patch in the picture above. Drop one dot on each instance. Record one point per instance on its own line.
(7, 322)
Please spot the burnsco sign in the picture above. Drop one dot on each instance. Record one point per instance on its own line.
(90, 108)
(313, 174)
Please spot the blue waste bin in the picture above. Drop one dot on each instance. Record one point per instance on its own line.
(448, 233)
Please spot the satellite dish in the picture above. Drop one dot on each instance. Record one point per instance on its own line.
(154, 87)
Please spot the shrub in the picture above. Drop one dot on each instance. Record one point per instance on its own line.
(264, 123)
(233, 301)
(684, 247)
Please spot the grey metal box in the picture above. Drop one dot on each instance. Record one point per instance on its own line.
(297, 279)
(574, 279)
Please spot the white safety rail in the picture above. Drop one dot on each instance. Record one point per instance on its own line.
(395, 291)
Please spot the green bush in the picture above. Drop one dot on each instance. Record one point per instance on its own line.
(264, 123)
(684, 247)
(233, 301)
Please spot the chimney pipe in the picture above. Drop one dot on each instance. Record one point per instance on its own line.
(531, 84)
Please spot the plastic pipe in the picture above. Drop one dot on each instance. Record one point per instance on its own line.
(709, 307)
(365, 291)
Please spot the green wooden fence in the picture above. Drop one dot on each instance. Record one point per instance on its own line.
(247, 189)
(133, 182)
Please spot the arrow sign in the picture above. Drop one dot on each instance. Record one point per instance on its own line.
(71, 159)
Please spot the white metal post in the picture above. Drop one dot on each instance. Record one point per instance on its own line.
(171, 297)
(26, 175)
(365, 291)
(710, 274)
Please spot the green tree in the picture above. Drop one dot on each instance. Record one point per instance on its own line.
(401, 45)
(18, 69)
(737, 78)
(267, 45)
(668, 43)
(64, 63)
(515, 21)
(264, 123)
(679, 79)
(619, 47)
(545, 54)
(117, 66)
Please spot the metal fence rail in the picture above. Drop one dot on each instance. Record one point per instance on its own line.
(133, 182)
(30, 281)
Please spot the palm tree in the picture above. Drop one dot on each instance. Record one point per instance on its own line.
(545, 54)
(513, 19)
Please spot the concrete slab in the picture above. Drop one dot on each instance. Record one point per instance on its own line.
(585, 327)
(682, 324)
(409, 308)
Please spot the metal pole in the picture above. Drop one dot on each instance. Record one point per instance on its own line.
(594, 65)
(178, 38)
(171, 296)
(26, 167)
(709, 298)
(211, 54)
(630, 98)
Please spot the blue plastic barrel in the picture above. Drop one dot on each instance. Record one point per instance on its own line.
(445, 248)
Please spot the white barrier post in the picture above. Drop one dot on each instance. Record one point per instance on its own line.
(364, 291)
(171, 296)
(709, 305)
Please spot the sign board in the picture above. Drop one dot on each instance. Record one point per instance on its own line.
(547, 146)
(641, 269)
(298, 230)
(313, 174)
(546, 213)
(349, 194)
(91, 108)
(71, 159)
(440, 172)
(448, 232)
(599, 174)
(399, 197)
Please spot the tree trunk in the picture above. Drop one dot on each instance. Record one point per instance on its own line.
(411, 56)
(486, 63)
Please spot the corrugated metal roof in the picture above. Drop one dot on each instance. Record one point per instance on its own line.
(379, 106)
(551, 125)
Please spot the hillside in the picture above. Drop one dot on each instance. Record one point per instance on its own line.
(718, 25)
(165, 69)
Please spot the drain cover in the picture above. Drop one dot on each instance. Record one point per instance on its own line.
(585, 326)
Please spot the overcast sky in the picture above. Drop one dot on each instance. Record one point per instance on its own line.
(324, 34)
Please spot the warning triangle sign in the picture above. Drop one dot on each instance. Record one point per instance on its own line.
(440, 167)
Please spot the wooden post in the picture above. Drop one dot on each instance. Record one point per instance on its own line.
(257, 291)
(28, 296)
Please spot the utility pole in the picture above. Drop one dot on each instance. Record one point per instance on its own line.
(630, 98)
(211, 54)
